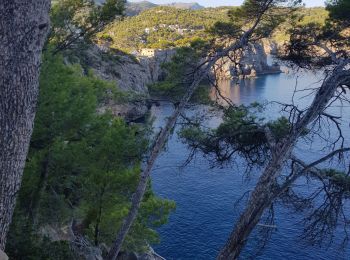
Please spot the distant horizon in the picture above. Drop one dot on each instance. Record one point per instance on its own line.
(217, 3)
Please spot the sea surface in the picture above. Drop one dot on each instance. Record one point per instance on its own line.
(206, 197)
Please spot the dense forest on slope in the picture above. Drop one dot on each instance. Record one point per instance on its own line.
(164, 27)
(83, 165)
(317, 15)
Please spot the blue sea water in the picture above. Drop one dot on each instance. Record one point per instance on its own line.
(206, 196)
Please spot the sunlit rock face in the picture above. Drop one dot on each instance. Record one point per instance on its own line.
(130, 73)
(270, 47)
(134, 73)
(251, 62)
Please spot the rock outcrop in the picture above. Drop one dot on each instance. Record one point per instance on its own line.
(251, 63)
(130, 73)
(270, 47)
(133, 73)
(150, 255)
(3, 256)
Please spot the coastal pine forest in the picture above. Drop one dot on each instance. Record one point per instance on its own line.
(174, 130)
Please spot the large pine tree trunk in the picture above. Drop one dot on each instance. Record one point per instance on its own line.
(23, 29)
(261, 199)
(263, 196)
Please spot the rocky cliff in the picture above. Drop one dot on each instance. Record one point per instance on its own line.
(270, 46)
(134, 73)
(251, 62)
(130, 73)
(84, 249)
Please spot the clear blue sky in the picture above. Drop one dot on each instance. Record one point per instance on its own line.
(224, 2)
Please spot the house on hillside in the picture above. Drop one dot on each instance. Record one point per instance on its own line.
(148, 52)
(165, 54)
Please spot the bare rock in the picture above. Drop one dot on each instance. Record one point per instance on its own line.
(3, 256)
(251, 63)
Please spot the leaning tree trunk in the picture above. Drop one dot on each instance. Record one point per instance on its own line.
(198, 75)
(23, 29)
(145, 175)
(263, 195)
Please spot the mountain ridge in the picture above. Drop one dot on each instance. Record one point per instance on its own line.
(189, 5)
(135, 8)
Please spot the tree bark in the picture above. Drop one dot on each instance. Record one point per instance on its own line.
(24, 25)
(263, 195)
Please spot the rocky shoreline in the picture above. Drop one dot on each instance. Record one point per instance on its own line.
(251, 63)
(134, 73)
(150, 255)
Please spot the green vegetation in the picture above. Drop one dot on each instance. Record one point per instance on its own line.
(317, 15)
(175, 84)
(82, 166)
(75, 21)
(164, 27)
(339, 9)
(240, 133)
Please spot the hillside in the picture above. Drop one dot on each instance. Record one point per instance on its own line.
(164, 27)
(308, 15)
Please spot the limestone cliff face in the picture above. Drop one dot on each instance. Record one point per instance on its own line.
(135, 73)
(270, 47)
(130, 73)
(251, 63)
